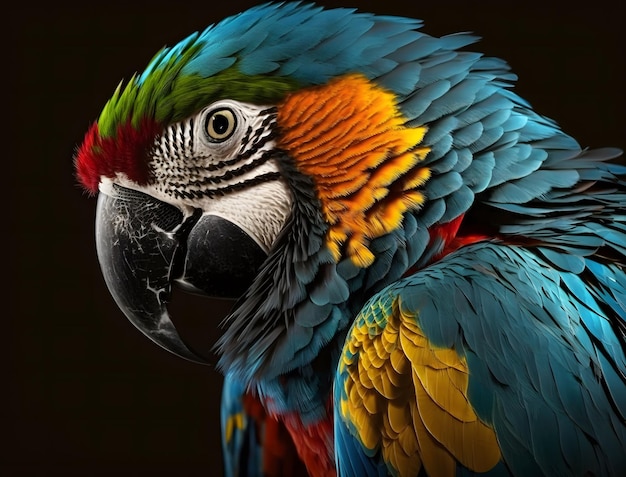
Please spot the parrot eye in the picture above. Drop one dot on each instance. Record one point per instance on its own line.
(220, 124)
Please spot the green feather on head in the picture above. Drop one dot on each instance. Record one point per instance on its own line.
(167, 94)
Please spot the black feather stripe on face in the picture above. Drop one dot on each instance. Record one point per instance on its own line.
(182, 169)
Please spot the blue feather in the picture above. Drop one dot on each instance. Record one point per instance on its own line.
(535, 185)
(468, 135)
(457, 203)
(329, 287)
(563, 261)
(443, 185)
(478, 175)
(417, 103)
(447, 163)
(464, 160)
(232, 406)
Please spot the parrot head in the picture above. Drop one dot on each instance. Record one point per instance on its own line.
(250, 161)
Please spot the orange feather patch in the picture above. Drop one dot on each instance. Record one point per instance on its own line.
(351, 138)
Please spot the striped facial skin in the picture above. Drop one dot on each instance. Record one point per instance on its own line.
(222, 161)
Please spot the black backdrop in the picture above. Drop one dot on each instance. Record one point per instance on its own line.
(85, 393)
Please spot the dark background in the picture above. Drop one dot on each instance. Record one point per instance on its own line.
(85, 394)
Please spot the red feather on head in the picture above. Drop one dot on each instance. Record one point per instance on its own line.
(125, 152)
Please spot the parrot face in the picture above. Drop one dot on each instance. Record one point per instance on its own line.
(215, 198)
(429, 275)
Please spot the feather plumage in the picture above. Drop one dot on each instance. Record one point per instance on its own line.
(448, 290)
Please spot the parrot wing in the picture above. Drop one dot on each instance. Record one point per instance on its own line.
(489, 360)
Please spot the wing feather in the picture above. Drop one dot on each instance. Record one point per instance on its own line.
(500, 363)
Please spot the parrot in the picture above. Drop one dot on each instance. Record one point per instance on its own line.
(428, 276)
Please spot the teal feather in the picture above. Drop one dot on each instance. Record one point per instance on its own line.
(444, 185)
(478, 175)
(416, 239)
(468, 135)
(464, 160)
(432, 212)
(389, 253)
(500, 118)
(533, 186)
(514, 163)
(420, 100)
(563, 261)
(457, 203)
(396, 79)
(331, 289)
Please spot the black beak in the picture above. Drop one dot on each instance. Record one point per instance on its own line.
(144, 245)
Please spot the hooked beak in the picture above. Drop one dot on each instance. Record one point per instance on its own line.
(144, 245)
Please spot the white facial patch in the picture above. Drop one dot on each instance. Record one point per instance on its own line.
(222, 161)
(260, 211)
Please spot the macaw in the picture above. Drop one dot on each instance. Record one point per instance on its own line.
(429, 275)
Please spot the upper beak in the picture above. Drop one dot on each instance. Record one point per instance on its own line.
(144, 245)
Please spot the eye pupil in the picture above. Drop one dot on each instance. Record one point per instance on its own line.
(220, 124)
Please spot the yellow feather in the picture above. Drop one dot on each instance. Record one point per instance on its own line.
(382, 385)
(413, 200)
(336, 235)
(352, 348)
(395, 378)
(368, 432)
(418, 177)
(365, 380)
(360, 255)
(406, 465)
(394, 168)
(413, 136)
(472, 443)
(369, 400)
(379, 346)
(235, 421)
(437, 384)
(450, 359)
(436, 460)
(411, 330)
(387, 431)
(398, 414)
(414, 347)
(375, 359)
(407, 438)
(389, 338)
(398, 361)
(408, 398)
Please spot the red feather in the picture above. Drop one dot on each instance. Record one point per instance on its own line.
(125, 152)
(280, 458)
